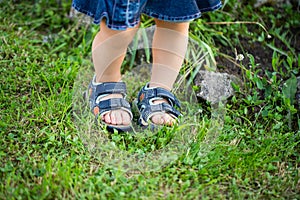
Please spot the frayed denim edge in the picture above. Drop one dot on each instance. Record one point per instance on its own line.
(147, 12)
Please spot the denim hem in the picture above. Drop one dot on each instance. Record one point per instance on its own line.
(149, 12)
(216, 7)
(105, 15)
(183, 18)
(172, 19)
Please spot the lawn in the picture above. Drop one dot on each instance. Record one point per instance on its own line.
(246, 147)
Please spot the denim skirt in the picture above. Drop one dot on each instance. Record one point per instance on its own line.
(122, 14)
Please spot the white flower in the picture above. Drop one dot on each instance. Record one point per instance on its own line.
(239, 57)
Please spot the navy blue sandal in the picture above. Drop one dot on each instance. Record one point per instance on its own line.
(99, 107)
(147, 108)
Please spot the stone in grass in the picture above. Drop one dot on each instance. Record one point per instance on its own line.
(215, 87)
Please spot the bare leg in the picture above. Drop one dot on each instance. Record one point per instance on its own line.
(108, 52)
(169, 48)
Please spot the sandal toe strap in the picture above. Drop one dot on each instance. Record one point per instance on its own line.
(112, 104)
(147, 108)
(149, 93)
(148, 111)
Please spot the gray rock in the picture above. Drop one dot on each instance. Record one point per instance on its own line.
(215, 87)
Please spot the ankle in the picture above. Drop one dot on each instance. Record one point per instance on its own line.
(153, 85)
(103, 79)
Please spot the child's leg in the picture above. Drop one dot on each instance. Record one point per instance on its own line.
(169, 48)
(108, 51)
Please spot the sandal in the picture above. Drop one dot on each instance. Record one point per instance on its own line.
(96, 91)
(147, 108)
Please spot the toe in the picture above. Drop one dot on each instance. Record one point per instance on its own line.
(125, 118)
(168, 120)
(163, 119)
(107, 118)
(113, 118)
(157, 119)
(118, 117)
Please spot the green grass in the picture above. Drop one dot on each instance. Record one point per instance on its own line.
(255, 154)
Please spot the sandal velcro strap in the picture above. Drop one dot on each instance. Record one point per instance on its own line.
(111, 88)
(150, 93)
(147, 108)
(163, 93)
(113, 104)
(150, 110)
